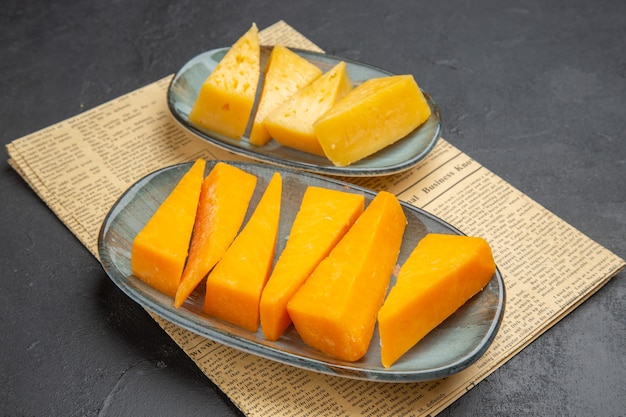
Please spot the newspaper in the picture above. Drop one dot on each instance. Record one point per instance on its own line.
(80, 166)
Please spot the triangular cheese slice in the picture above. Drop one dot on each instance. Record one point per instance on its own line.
(323, 218)
(374, 115)
(158, 255)
(291, 124)
(234, 286)
(335, 309)
(440, 275)
(224, 199)
(226, 97)
(286, 73)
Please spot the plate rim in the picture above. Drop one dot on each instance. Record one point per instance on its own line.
(186, 318)
(345, 171)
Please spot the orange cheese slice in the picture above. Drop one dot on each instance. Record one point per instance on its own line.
(291, 124)
(371, 117)
(335, 309)
(224, 199)
(440, 275)
(158, 254)
(323, 218)
(234, 286)
(226, 97)
(286, 73)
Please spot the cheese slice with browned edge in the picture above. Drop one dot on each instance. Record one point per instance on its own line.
(335, 309)
(374, 115)
(226, 97)
(323, 218)
(160, 249)
(285, 74)
(442, 273)
(234, 286)
(224, 199)
(291, 124)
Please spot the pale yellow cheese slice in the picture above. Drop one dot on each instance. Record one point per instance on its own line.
(286, 73)
(226, 98)
(291, 124)
(374, 115)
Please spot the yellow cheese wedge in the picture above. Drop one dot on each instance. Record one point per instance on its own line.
(371, 117)
(286, 73)
(234, 286)
(226, 97)
(291, 124)
(440, 275)
(160, 249)
(335, 309)
(224, 199)
(323, 218)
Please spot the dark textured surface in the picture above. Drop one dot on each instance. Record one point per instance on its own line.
(534, 90)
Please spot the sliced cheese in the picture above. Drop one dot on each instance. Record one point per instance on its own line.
(223, 203)
(286, 73)
(323, 218)
(440, 275)
(234, 286)
(160, 249)
(291, 124)
(335, 309)
(374, 115)
(226, 97)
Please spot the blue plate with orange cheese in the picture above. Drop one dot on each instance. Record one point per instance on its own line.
(451, 347)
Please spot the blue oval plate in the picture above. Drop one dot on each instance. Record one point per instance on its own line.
(451, 347)
(402, 155)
